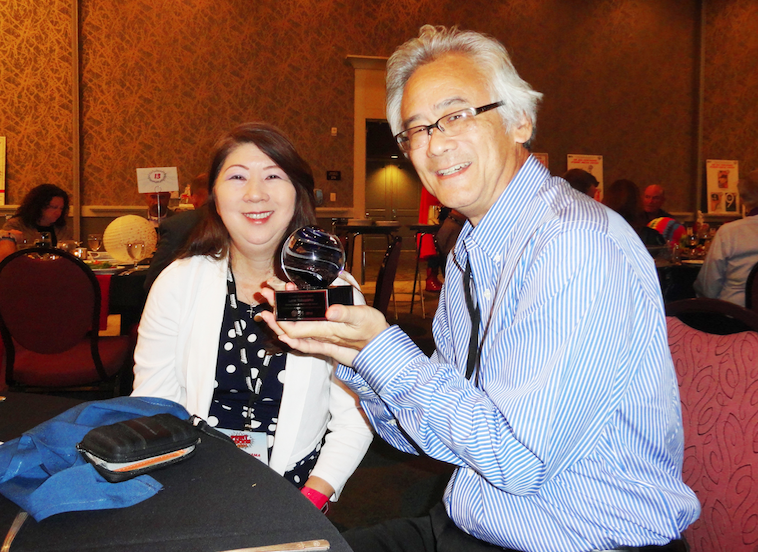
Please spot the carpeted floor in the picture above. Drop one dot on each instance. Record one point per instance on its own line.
(389, 484)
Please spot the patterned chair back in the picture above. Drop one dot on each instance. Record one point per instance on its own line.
(718, 386)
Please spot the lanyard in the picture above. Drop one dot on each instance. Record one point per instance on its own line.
(256, 383)
(475, 314)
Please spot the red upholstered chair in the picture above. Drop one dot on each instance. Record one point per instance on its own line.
(385, 281)
(718, 386)
(49, 318)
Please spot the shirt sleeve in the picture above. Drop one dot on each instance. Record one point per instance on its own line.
(557, 360)
(155, 362)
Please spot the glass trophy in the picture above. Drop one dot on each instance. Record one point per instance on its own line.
(312, 259)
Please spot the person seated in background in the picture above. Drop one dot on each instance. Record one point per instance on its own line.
(652, 203)
(43, 209)
(734, 251)
(582, 181)
(8, 241)
(670, 228)
(200, 345)
(199, 190)
(157, 207)
(173, 232)
(623, 196)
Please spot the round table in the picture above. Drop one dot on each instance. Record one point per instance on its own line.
(219, 499)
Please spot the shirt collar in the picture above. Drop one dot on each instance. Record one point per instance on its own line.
(499, 222)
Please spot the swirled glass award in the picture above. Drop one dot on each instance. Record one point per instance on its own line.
(312, 259)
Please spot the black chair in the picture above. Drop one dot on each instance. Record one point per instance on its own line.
(751, 290)
(713, 316)
(386, 279)
(49, 321)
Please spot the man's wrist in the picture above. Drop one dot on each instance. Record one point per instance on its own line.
(384, 357)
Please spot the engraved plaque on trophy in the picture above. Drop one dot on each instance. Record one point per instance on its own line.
(312, 259)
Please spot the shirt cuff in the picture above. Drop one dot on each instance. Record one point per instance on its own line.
(385, 357)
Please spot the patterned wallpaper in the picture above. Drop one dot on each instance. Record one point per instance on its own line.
(731, 112)
(161, 79)
(35, 94)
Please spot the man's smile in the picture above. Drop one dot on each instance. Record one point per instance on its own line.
(452, 170)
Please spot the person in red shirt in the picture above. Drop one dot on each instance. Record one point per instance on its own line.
(427, 214)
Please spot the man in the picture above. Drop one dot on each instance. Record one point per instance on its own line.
(582, 181)
(734, 251)
(652, 202)
(567, 431)
(199, 191)
(157, 207)
(173, 232)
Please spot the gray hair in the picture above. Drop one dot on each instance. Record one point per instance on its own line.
(748, 189)
(519, 99)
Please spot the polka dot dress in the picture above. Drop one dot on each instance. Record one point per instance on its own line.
(235, 381)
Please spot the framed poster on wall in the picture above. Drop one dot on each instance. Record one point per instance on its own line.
(722, 177)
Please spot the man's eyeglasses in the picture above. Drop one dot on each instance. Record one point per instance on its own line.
(450, 125)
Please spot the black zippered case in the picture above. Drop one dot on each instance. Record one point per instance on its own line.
(127, 449)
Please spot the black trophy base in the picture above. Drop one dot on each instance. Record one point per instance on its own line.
(310, 304)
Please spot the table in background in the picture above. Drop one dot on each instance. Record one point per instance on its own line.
(126, 297)
(351, 230)
(421, 230)
(677, 281)
(219, 499)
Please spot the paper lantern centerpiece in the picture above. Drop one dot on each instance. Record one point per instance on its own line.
(125, 229)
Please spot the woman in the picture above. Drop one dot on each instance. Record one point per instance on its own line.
(623, 196)
(44, 209)
(198, 328)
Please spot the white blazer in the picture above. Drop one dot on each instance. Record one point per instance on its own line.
(176, 356)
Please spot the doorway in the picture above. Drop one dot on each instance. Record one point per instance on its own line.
(393, 188)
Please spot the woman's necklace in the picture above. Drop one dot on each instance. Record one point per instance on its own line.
(245, 293)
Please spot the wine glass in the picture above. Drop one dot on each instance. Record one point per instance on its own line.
(692, 239)
(44, 240)
(136, 251)
(94, 242)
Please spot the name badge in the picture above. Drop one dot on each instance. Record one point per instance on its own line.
(255, 443)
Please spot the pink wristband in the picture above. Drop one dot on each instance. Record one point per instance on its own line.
(319, 500)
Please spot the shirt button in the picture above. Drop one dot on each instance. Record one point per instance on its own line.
(487, 294)
(497, 258)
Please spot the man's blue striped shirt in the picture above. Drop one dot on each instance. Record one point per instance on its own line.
(572, 438)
